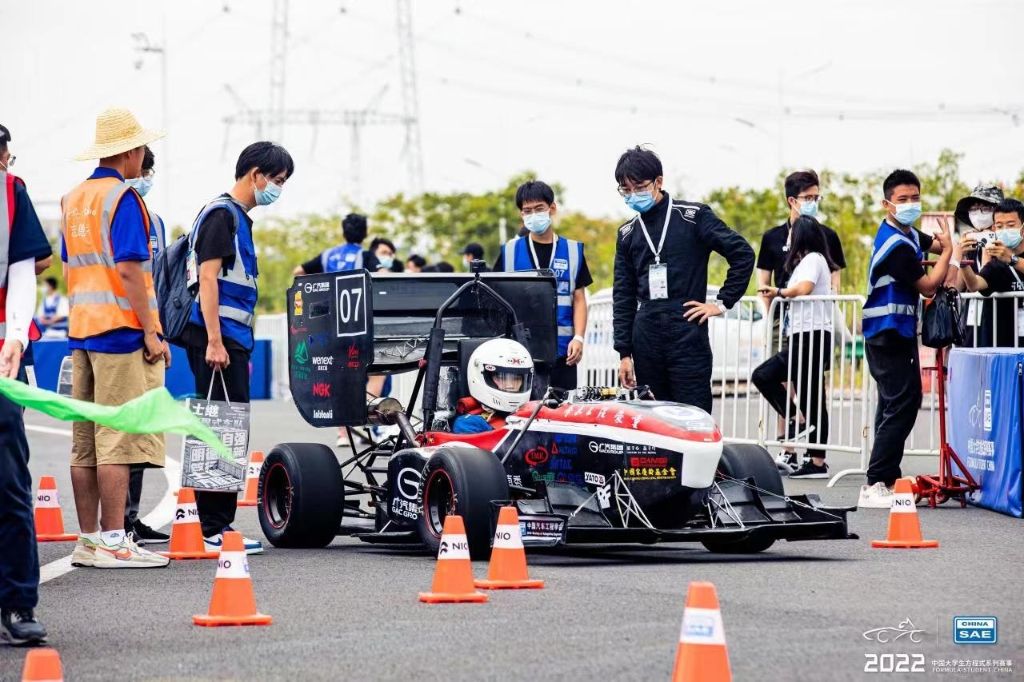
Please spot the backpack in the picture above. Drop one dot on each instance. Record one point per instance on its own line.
(942, 325)
(173, 294)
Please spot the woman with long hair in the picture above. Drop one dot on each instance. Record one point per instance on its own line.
(805, 359)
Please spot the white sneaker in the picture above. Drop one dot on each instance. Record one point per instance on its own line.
(84, 554)
(127, 555)
(214, 543)
(876, 496)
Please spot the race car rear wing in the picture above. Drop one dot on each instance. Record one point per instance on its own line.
(345, 325)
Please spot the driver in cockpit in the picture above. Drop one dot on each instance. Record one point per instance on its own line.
(500, 377)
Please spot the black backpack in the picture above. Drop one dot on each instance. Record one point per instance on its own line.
(173, 294)
(942, 324)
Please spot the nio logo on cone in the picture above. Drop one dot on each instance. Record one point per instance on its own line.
(453, 547)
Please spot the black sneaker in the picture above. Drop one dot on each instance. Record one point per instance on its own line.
(19, 627)
(144, 535)
(810, 470)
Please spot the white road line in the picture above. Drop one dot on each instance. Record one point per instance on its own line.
(160, 516)
(48, 429)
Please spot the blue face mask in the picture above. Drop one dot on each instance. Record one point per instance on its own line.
(267, 195)
(640, 201)
(537, 223)
(809, 208)
(1010, 238)
(906, 214)
(386, 261)
(141, 185)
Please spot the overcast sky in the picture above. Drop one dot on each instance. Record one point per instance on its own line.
(724, 91)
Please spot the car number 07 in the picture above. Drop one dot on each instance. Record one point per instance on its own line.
(893, 663)
(347, 309)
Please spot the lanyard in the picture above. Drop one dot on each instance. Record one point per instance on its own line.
(533, 252)
(664, 231)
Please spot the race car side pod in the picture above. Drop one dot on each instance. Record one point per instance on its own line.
(904, 525)
(453, 577)
(702, 654)
(507, 570)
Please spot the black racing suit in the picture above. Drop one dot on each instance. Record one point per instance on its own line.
(671, 354)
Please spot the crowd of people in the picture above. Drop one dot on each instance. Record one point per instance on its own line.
(110, 239)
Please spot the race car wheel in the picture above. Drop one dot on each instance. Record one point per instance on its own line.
(743, 462)
(463, 481)
(302, 495)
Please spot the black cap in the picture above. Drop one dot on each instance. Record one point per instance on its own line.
(475, 250)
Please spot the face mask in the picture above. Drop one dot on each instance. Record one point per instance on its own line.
(141, 185)
(640, 201)
(906, 214)
(267, 195)
(537, 223)
(1010, 238)
(980, 220)
(809, 208)
(386, 261)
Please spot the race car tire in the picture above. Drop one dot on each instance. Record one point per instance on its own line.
(464, 481)
(747, 461)
(302, 495)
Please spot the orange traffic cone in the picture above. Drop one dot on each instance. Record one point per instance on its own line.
(49, 519)
(904, 526)
(186, 532)
(507, 569)
(702, 654)
(453, 578)
(42, 665)
(232, 602)
(252, 480)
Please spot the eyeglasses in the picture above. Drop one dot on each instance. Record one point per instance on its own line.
(810, 197)
(148, 174)
(535, 209)
(10, 161)
(623, 191)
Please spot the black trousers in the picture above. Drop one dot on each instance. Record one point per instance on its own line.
(806, 370)
(131, 504)
(217, 509)
(19, 559)
(672, 355)
(895, 367)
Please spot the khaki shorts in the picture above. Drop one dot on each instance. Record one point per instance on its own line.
(113, 379)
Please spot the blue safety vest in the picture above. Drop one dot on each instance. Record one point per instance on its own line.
(341, 258)
(236, 287)
(568, 254)
(890, 305)
(50, 309)
(157, 237)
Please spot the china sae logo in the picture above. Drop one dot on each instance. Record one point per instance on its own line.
(975, 630)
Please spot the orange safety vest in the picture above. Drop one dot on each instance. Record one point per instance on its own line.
(95, 290)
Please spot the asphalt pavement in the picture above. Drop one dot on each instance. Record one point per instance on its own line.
(796, 612)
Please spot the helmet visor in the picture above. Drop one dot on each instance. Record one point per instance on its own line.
(509, 379)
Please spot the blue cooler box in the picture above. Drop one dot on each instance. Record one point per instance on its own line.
(986, 406)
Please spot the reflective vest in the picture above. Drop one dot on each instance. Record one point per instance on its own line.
(95, 290)
(51, 305)
(890, 305)
(341, 258)
(6, 226)
(236, 287)
(566, 257)
(157, 238)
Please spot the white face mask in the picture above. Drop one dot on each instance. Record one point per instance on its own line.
(980, 220)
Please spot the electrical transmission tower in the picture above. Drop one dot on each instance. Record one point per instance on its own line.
(278, 52)
(410, 100)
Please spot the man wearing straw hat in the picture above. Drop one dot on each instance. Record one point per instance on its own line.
(114, 335)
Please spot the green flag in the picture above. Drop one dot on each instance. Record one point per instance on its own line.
(154, 411)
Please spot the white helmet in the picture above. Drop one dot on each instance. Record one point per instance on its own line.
(500, 375)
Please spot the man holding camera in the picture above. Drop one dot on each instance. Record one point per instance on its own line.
(1002, 273)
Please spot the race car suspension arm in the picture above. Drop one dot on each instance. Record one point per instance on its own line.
(785, 498)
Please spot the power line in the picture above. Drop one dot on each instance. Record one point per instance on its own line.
(410, 99)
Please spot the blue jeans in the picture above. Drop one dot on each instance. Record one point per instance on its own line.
(19, 559)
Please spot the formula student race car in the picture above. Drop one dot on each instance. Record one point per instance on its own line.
(595, 465)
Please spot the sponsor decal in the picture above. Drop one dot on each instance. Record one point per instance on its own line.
(297, 309)
(560, 464)
(353, 357)
(301, 354)
(295, 331)
(595, 479)
(636, 420)
(975, 630)
(562, 477)
(641, 468)
(232, 565)
(454, 547)
(604, 496)
(323, 414)
(597, 447)
(690, 213)
(323, 362)
(405, 508)
(563, 445)
(541, 528)
(536, 456)
(317, 287)
(637, 449)
(514, 480)
(648, 461)
(47, 499)
(625, 230)
(516, 361)
(321, 390)
(620, 417)
(904, 633)
(408, 483)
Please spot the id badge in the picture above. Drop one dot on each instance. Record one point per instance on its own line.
(658, 281)
(191, 270)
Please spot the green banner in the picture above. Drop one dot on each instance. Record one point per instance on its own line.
(155, 411)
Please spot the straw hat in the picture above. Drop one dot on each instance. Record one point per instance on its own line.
(117, 131)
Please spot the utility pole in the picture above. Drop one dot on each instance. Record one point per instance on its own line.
(410, 101)
(143, 47)
(278, 52)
